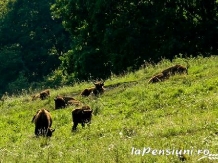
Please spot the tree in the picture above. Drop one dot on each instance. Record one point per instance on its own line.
(40, 40)
(125, 33)
(10, 66)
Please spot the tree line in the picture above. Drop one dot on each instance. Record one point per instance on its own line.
(58, 40)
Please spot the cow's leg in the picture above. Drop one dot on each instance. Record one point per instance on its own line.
(74, 126)
(83, 124)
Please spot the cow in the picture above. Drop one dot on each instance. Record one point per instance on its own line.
(87, 91)
(64, 101)
(59, 102)
(81, 115)
(42, 95)
(35, 97)
(68, 98)
(43, 123)
(176, 69)
(158, 78)
(98, 89)
(74, 102)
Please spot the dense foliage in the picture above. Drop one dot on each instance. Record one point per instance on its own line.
(114, 36)
(67, 40)
(30, 43)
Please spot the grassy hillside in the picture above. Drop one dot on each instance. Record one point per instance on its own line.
(133, 121)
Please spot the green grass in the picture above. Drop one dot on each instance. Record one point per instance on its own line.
(179, 113)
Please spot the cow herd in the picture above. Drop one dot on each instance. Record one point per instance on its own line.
(83, 114)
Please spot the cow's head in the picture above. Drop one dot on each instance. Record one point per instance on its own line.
(49, 132)
(99, 85)
(87, 115)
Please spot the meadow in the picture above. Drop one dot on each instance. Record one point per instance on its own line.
(133, 121)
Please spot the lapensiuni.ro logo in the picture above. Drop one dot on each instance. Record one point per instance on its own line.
(203, 153)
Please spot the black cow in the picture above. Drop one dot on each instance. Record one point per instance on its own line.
(176, 69)
(43, 122)
(59, 102)
(81, 115)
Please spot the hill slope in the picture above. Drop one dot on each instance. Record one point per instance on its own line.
(133, 121)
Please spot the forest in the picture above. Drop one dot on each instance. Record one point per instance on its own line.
(51, 43)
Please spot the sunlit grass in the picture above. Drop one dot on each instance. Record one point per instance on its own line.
(179, 113)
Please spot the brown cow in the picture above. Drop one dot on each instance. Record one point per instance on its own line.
(74, 102)
(42, 95)
(165, 74)
(98, 89)
(63, 101)
(81, 115)
(68, 98)
(87, 91)
(176, 69)
(35, 97)
(43, 122)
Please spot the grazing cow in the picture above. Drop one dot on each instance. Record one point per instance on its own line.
(176, 69)
(98, 89)
(81, 115)
(43, 122)
(158, 78)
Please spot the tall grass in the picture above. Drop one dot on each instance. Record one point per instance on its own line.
(179, 113)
